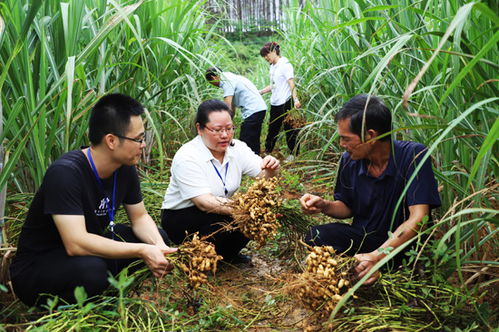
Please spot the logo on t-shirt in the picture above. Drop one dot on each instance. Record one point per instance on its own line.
(102, 209)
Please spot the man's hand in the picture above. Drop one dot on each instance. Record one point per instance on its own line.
(366, 263)
(311, 204)
(154, 257)
(270, 163)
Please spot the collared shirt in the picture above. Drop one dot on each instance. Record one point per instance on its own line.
(373, 199)
(192, 172)
(244, 93)
(280, 73)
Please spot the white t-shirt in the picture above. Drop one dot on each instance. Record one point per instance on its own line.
(280, 73)
(193, 172)
(244, 92)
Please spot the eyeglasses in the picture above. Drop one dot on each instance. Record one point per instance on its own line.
(137, 140)
(219, 132)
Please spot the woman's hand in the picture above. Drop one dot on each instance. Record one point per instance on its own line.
(297, 102)
(270, 163)
(269, 166)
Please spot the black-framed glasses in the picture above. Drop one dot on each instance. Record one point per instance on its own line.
(137, 140)
(219, 132)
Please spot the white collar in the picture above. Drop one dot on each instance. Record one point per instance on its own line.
(206, 154)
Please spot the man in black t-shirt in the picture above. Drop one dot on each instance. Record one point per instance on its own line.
(69, 238)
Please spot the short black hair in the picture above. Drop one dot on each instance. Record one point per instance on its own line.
(212, 72)
(270, 47)
(377, 116)
(209, 106)
(111, 115)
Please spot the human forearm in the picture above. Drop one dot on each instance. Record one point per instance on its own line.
(265, 90)
(143, 226)
(406, 231)
(212, 204)
(294, 93)
(78, 242)
(229, 100)
(95, 245)
(152, 254)
(336, 209)
(147, 231)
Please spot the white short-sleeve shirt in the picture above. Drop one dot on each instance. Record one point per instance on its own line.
(244, 92)
(193, 172)
(280, 73)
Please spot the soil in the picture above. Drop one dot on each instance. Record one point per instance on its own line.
(258, 292)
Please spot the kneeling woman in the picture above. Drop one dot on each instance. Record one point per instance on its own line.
(205, 172)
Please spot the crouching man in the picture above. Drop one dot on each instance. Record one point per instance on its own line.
(373, 174)
(69, 238)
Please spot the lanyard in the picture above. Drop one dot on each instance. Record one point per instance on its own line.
(110, 212)
(220, 176)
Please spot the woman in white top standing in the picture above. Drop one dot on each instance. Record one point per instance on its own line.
(205, 172)
(283, 97)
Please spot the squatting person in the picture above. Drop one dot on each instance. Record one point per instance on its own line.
(205, 173)
(373, 173)
(69, 238)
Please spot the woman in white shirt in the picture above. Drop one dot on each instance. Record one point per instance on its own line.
(205, 173)
(282, 86)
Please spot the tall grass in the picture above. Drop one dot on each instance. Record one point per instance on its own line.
(58, 57)
(435, 64)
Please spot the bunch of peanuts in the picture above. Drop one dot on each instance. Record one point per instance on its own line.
(196, 258)
(326, 278)
(254, 211)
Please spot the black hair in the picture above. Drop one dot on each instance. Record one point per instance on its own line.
(270, 47)
(212, 72)
(111, 115)
(209, 106)
(377, 116)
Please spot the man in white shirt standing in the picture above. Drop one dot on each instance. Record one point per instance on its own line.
(241, 92)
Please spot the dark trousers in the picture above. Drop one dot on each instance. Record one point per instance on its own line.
(178, 224)
(55, 273)
(345, 238)
(277, 115)
(251, 129)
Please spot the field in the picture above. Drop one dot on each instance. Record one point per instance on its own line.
(435, 63)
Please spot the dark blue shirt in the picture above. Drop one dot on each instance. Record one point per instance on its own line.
(373, 200)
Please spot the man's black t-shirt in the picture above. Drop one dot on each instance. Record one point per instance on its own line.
(70, 188)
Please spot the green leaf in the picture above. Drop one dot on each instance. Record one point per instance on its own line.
(489, 45)
(485, 149)
(80, 296)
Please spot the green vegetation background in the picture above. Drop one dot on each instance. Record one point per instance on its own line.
(433, 62)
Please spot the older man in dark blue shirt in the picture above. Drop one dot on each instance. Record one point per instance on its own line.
(375, 171)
